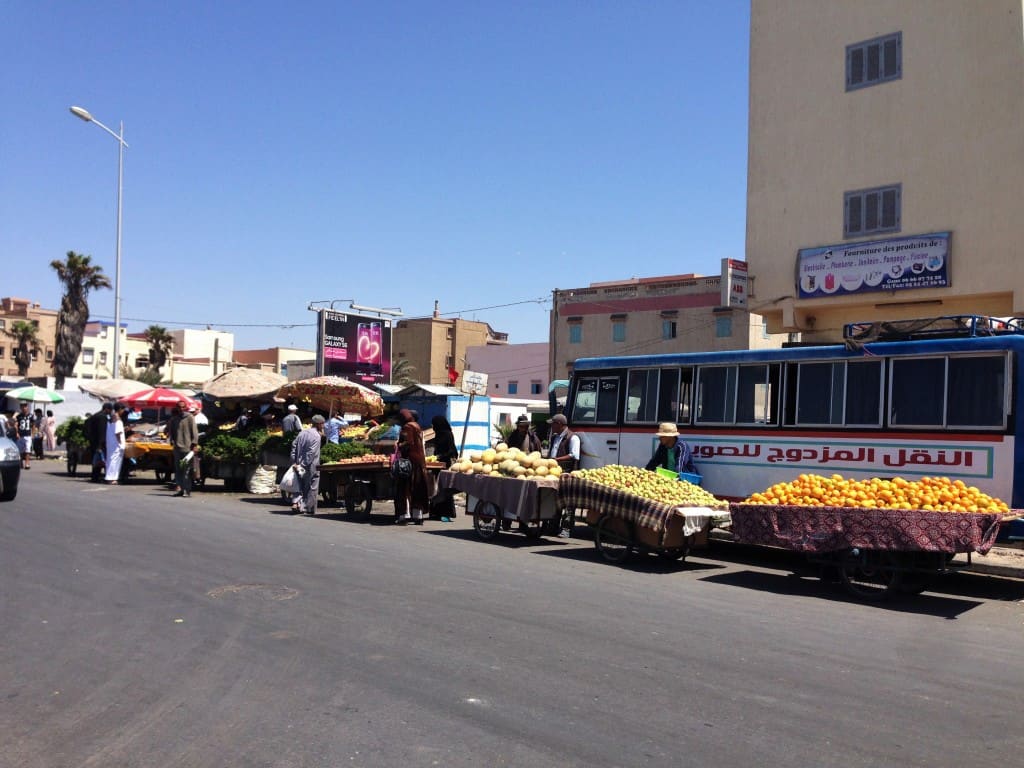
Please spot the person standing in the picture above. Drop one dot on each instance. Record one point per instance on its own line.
(37, 433)
(50, 431)
(442, 506)
(96, 434)
(23, 423)
(564, 447)
(306, 462)
(333, 428)
(412, 494)
(184, 437)
(672, 452)
(524, 438)
(115, 445)
(291, 422)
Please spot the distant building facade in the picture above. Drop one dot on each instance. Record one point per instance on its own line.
(513, 370)
(885, 158)
(96, 356)
(435, 345)
(649, 316)
(45, 320)
(275, 359)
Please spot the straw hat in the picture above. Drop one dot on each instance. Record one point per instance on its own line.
(667, 429)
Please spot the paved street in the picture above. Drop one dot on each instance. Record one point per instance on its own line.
(142, 630)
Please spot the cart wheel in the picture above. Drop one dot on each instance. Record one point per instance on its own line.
(162, 475)
(486, 520)
(72, 464)
(613, 539)
(359, 500)
(197, 482)
(869, 574)
(532, 531)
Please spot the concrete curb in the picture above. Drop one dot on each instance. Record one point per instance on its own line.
(1007, 562)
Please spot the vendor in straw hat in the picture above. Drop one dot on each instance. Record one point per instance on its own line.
(672, 453)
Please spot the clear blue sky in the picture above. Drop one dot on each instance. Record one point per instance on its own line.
(476, 153)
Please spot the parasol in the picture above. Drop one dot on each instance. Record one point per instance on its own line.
(244, 384)
(156, 398)
(113, 389)
(35, 394)
(333, 393)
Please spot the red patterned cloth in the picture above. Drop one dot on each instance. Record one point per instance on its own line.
(831, 529)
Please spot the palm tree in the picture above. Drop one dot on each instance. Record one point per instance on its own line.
(26, 337)
(402, 373)
(79, 276)
(160, 343)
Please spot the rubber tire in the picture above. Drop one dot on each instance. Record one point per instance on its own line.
(673, 553)
(486, 520)
(613, 539)
(358, 500)
(872, 576)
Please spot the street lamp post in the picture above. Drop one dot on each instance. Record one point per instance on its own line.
(121, 147)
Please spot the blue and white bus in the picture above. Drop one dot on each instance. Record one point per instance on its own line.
(944, 402)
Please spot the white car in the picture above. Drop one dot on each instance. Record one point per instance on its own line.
(10, 469)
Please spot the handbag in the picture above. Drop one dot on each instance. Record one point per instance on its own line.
(401, 469)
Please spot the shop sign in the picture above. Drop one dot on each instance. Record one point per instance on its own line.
(354, 347)
(734, 283)
(921, 261)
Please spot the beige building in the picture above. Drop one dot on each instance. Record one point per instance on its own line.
(885, 156)
(649, 316)
(11, 311)
(275, 359)
(433, 345)
(96, 357)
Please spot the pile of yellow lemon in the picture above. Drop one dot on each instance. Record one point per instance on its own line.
(939, 494)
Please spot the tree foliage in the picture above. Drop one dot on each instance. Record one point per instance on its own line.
(79, 276)
(26, 343)
(402, 373)
(160, 345)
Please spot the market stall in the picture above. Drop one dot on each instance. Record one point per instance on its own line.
(149, 454)
(625, 522)
(495, 502)
(877, 552)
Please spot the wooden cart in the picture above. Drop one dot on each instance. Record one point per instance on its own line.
(625, 524)
(145, 455)
(497, 503)
(876, 552)
(357, 484)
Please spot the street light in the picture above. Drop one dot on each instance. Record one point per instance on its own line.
(121, 147)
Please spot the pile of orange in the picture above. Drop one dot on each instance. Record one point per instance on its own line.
(938, 494)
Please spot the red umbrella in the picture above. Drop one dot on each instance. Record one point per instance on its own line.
(156, 398)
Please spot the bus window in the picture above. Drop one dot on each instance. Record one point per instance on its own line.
(685, 394)
(839, 393)
(596, 401)
(757, 394)
(642, 395)
(668, 395)
(716, 394)
(863, 407)
(917, 392)
(976, 392)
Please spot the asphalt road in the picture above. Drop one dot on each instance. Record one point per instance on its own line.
(142, 630)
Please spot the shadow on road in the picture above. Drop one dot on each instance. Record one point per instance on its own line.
(638, 562)
(509, 539)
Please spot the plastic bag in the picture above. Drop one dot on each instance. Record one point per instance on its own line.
(290, 482)
(262, 480)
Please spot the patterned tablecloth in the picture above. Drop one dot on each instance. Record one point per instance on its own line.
(831, 529)
(578, 493)
(516, 498)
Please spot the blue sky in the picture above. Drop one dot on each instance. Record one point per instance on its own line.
(394, 153)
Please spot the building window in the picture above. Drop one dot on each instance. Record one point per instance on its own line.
(141, 362)
(723, 327)
(88, 356)
(513, 387)
(35, 355)
(668, 329)
(1, 353)
(534, 387)
(575, 334)
(103, 358)
(448, 361)
(869, 211)
(49, 355)
(618, 330)
(3, 324)
(449, 332)
(874, 61)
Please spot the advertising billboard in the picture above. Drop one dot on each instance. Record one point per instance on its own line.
(354, 347)
(921, 261)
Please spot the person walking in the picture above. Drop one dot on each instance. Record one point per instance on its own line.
(306, 462)
(50, 431)
(412, 494)
(291, 422)
(564, 447)
(115, 445)
(524, 438)
(37, 433)
(333, 428)
(184, 436)
(23, 424)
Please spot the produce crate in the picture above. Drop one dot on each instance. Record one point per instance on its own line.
(687, 476)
